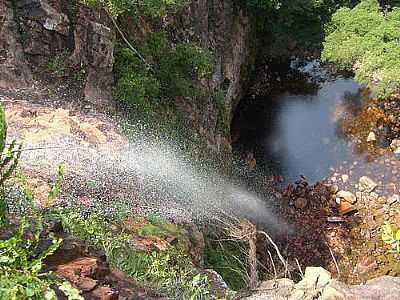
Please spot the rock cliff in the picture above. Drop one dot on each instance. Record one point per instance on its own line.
(37, 33)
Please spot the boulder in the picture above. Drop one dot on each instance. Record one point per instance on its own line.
(382, 288)
(346, 208)
(314, 278)
(347, 196)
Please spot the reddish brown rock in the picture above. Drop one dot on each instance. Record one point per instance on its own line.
(346, 208)
(366, 265)
(102, 293)
(301, 203)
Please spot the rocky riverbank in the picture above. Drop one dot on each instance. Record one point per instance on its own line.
(338, 222)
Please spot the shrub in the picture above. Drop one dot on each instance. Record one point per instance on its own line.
(8, 163)
(20, 267)
(21, 264)
(366, 40)
(152, 8)
(150, 90)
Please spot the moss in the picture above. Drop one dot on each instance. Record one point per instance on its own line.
(223, 118)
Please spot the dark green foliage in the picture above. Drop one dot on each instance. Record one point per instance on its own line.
(302, 22)
(263, 4)
(152, 8)
(366, 40)
(284, 25)
(150, 91)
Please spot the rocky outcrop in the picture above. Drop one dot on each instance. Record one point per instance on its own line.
(83, 38)
(35, 32)
(94, 46)
(318, 284)
(13, 67)
(223, 27)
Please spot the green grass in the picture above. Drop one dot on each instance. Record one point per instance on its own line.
(227, 259)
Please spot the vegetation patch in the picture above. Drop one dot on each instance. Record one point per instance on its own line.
(366, 40)
(227, 257)
(169, 270)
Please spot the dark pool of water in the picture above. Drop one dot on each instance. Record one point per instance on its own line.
(295, 134)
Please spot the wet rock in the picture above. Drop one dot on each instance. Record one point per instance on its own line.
(366, 265)
(347, 196)
(85, 266)
(94, 46)
(367, 184)
(130, 289)
(371, 137)
(300, 203)
(86, 284)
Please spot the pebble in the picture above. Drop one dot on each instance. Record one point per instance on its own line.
(345, 178)
(301, 203)
(393, 199)
(395, 145)
(371, 137)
